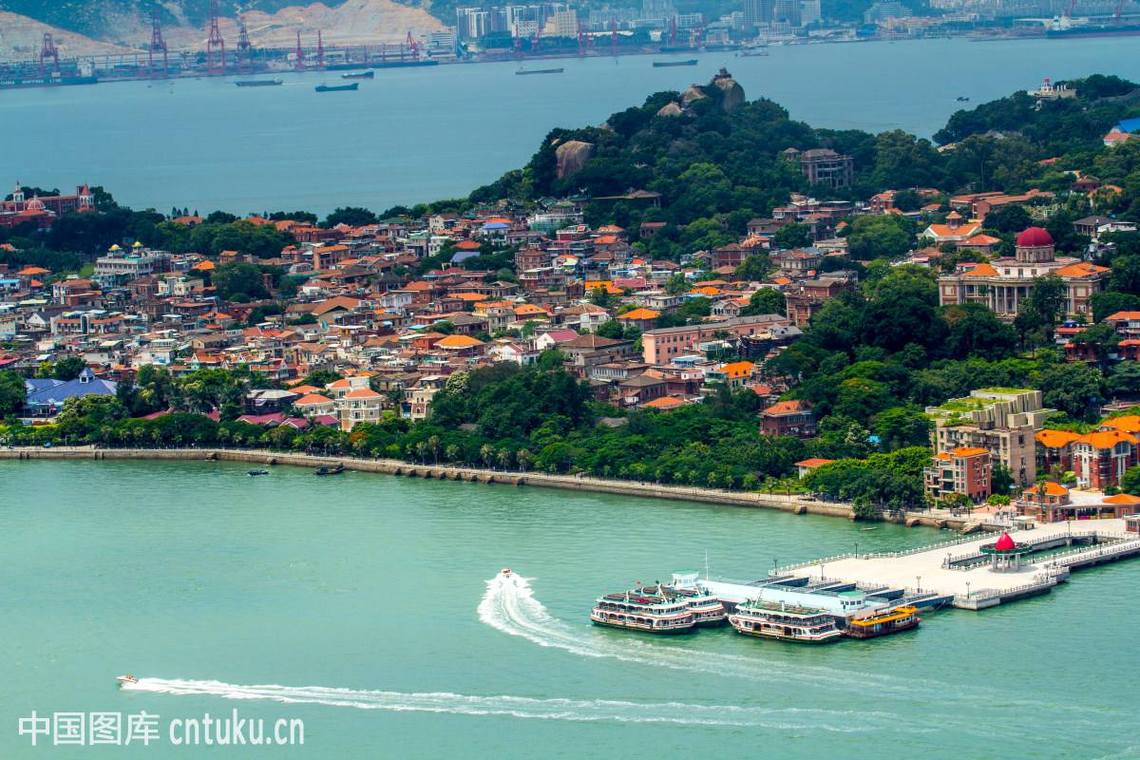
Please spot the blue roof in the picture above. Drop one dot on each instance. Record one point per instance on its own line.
(1129, 125)
(42, 394)
(496, 226)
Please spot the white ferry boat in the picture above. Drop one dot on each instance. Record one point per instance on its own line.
(774, 620)
(636, 611)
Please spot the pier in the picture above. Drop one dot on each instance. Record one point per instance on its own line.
(970, 573)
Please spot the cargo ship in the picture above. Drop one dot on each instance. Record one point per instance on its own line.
(359, 75)
(667, 64)
(1098, 30)
(11, 83)
(337, 87)
(522, 72)
(259, 82)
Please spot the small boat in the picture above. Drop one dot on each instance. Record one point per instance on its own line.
(884, 623)
(787, 622)
(259, 82)
(753, 52)
(505, 572)
(359, 75)
(255, 473)
(522, 72)
(636, 612)
(667, 64)
(126, 680)
(337, 87)
(962, 99)
(330, 470)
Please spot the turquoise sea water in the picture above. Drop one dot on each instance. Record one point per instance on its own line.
(415, 135)
(198, 578)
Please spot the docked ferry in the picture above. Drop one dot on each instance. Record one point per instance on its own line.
(636, 611)
(884, 623)
(774, 620)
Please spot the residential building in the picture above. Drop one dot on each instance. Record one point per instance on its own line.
(663, 345)
(1003, 421)
(823, 166)
(788, 418)
(965, 470)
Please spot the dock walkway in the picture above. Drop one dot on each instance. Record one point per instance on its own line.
(945, 569)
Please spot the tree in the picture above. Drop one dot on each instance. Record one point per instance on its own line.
(239, 281)
(13, 393)
(901, 426)
(68, 368)
(1109, 302)
(793, 235)
(765, 301)
(976, 332)
(1130, 482)
(754, 268)
(879, 237)
(1125, 379)
(353, 216)
(1008, 219)
(1075, 389)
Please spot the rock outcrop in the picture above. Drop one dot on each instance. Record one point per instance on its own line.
(670, 109)
(571, 156)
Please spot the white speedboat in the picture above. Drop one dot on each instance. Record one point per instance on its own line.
(126, 680)
(505, 572)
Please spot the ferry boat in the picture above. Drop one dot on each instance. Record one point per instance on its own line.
(773, 620)
(337, 87)
(637, 612)
(884, 623)
(667, 64)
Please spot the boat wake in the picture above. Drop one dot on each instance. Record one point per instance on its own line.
(509, 605)
(517, 707)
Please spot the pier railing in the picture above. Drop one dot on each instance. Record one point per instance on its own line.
(875, 555)
(1078, 555)
(1040, 582)
(949, 562)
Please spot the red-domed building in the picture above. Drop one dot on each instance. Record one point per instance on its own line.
(1004, 283)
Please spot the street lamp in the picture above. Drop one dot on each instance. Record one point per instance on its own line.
(967, 589)
(856, 550)
(918, 583)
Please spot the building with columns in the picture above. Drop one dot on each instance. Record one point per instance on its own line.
(1004, 283)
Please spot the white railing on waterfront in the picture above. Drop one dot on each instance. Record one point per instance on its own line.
(948, 562)
(876, 555)
(1040, 582)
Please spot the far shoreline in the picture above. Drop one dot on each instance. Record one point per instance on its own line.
(584, 483)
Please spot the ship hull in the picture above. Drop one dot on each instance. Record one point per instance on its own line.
(655, 631)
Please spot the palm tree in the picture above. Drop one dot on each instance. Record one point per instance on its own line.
(487, 453)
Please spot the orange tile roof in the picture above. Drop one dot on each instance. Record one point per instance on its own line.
(982, 270)
(458, 341)
(362, 393)
(969, 451)
(786, 407)
(1129, 423)
(1122, 315)
(640, 314)
(1107, 439)
(1122, 498)
(736, 370)
(1051, 488)
(665, 402)
(1081, 269)
(814, 462)
(1055, 439)
(312, 399)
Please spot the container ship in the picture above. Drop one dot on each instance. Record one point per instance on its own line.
(668, 64)
(11, 83)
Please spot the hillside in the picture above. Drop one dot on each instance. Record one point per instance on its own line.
(85, 27)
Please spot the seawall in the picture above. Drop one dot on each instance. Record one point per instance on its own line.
(796, 504)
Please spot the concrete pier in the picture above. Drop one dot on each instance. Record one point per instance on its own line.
(959, 568)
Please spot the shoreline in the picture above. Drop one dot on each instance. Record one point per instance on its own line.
(793, 504)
